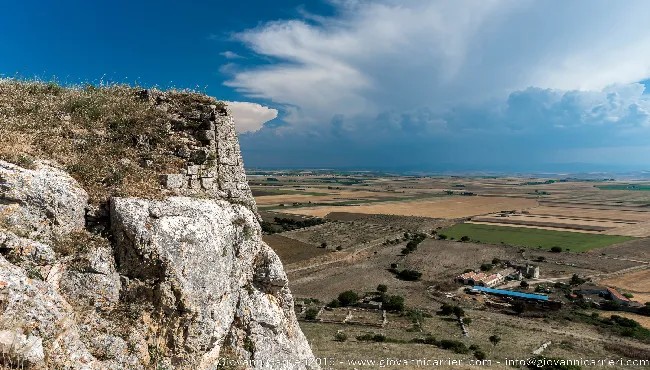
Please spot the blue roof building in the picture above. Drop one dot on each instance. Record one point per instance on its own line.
(510, 293)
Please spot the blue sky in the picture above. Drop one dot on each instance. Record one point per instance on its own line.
(418, 84)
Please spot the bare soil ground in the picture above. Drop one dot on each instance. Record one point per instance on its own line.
(453, 207)
(638, 249)
(291, 250)
(637, 283)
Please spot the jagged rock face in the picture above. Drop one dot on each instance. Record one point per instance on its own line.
(38, 321)
(214, 284)
(40, 203)
(182, 282)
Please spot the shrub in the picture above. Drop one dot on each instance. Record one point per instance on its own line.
(371, 338)
(348, 298)
(628, 295)
(334, 304)
(524, 284)
(496, 261)
(464, 238)
(446, 309)
(382, 288)
(486, 267)
(339, 248)
(323, 245)
(459, 312)
(453, 345)
(494, 339)
(556, 249)
(311, 313)
(393, 303)
(340, 336)
(442, 236)
(409, 275)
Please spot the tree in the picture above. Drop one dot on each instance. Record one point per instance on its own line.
(464, 238)
(334, 304)
(524, 284)
(496, 261)
(486, 267)
(459, 312)
(556, 249)
(495, 339)
(409, 275)
(323, 245)
(393, 303)
(577, 280)
(446, 309)
(382, 288)
(480, 355)
(348, 298)
(442, 236)
(311, 313)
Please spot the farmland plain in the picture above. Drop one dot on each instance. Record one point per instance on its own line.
(370, 218)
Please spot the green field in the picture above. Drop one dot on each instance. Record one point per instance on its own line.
(643, 187)
(526, 237)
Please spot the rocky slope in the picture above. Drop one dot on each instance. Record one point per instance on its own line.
(176, 278)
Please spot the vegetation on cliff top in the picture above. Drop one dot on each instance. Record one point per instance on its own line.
(113, 139)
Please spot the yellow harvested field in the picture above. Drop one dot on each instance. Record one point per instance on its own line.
(274, 200)
(635, 282)
(448, 207)
(641, 229)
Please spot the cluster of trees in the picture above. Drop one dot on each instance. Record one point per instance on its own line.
(452, 345)
(619, 325)
(389, 302)
(449, 309)
(412, 245)
(409, 275)
(281, 224)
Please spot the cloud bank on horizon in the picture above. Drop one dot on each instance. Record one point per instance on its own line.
(420, 82)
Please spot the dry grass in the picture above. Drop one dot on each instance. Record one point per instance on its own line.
(100, 135)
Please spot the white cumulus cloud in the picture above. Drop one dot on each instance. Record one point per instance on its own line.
(406, 54)
(250, 117)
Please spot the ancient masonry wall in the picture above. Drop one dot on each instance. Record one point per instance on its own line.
(213, 165)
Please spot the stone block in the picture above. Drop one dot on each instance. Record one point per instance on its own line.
(194, 184)
(207, 183)
(173, 181)
(193, 169)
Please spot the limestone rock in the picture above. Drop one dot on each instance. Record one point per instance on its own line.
(40, 203)
(23, 251)
(213, 281)
(20, 349)
(33, 306)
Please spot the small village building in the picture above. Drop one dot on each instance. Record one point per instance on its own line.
(367, 303)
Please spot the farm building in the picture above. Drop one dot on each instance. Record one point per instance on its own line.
(606, 292)
(510, 293)
(483, 279)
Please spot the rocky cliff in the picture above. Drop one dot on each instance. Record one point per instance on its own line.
(129, 238)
